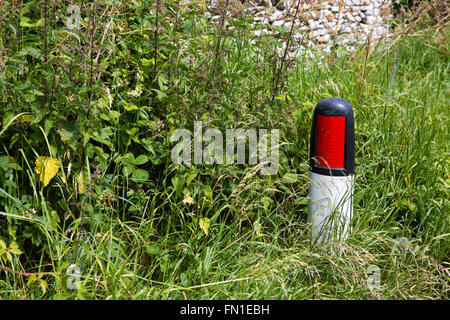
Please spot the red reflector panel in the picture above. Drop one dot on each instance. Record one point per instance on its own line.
(330, 141)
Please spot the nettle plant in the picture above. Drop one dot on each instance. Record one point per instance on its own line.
(7, 252)
(90, 95)
(73, 101)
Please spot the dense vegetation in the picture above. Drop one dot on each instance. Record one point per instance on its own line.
(86, 176)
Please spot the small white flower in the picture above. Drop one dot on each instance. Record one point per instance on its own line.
(136, 92)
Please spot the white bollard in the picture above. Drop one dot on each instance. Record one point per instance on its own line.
(332, 161)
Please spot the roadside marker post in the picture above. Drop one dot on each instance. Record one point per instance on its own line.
(331, 163)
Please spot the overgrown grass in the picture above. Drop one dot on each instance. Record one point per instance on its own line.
(119, 211)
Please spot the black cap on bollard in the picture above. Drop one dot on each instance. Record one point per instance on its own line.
(332, 148)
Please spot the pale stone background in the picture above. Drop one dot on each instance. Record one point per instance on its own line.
(342, 22)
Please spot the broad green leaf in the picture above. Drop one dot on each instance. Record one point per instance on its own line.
(178, 182)
(152, 248)
(130, 107)
(139, 175)
(208, 193)
(3, 161)
(191, 175)
(70, 134)
(289, 178)
(148, 62)
(266, 202)
(140, 160)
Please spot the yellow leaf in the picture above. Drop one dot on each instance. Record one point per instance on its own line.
(43, 284)
(82, 181)
(204, 225)
(62, 176)
(257, 227)
(14, 248)
(46, 168)
(32, 278)
(2, 244)
(14, 245)
(27, 118)
(23, 118)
